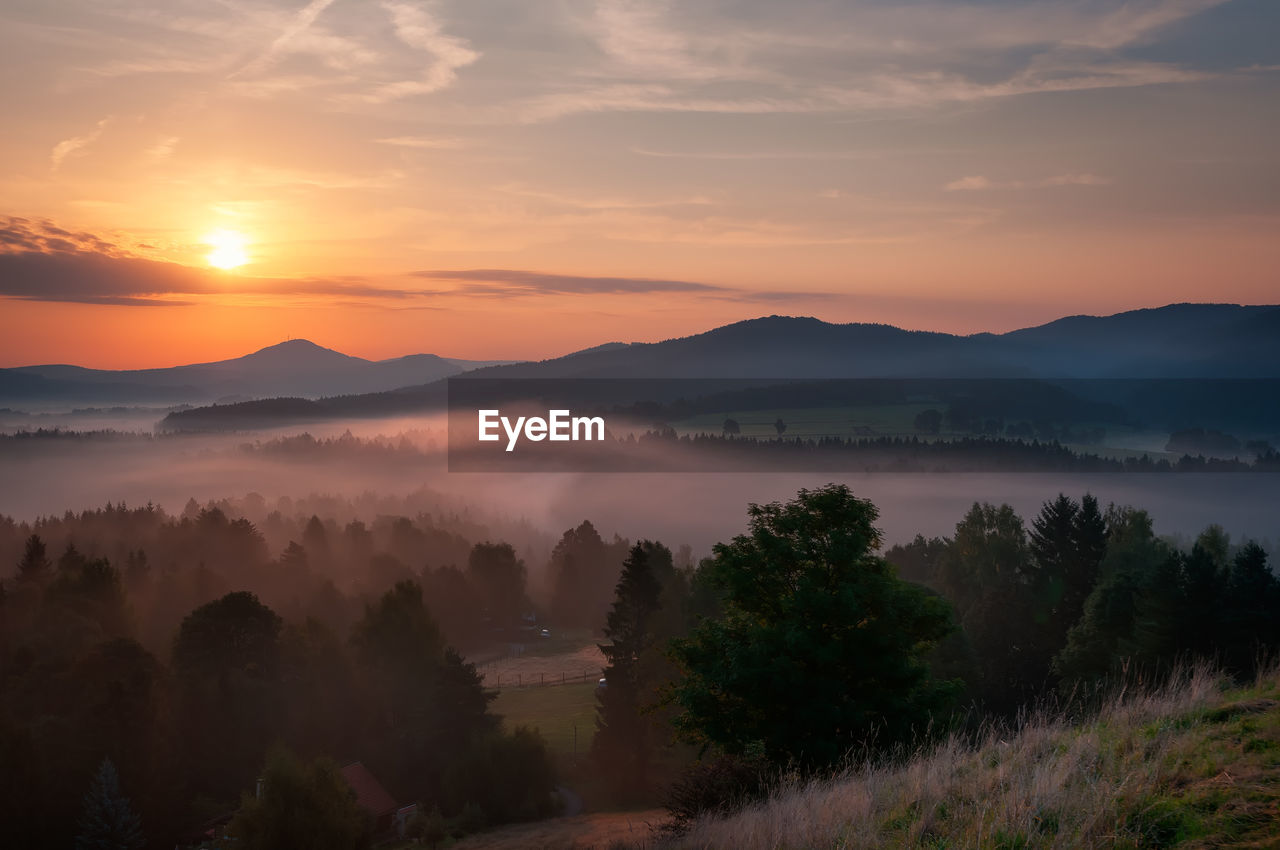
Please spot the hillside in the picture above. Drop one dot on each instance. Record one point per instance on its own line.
(1190, 765)
(296, 367)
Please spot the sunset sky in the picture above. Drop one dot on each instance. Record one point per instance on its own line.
(521, 178)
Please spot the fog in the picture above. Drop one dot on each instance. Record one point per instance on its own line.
(398, 467)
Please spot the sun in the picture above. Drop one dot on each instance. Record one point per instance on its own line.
(228, 249)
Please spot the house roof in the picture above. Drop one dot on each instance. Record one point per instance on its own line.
(370, 795)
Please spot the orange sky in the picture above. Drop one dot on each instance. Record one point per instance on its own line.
(514, 179)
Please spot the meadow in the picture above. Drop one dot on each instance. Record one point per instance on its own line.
(563, 714)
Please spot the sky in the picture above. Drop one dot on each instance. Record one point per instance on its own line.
(189, 180)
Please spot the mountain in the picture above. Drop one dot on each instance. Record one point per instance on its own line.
(294, 368)
(1178, 341)
(1210, 342)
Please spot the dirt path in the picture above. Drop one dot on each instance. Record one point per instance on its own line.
(583, 832)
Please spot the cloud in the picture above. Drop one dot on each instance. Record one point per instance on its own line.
(75, 144)
(298, 37)
(639, 36)
(163, 148)
(424, 142)
(510, 281)
(507, 283)
(40, 261)
(979, 183)
(419, 30)
(42, 235)
(795, 58)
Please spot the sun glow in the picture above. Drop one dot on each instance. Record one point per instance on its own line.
(228, 249)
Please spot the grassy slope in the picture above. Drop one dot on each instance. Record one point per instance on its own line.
(1191, 765)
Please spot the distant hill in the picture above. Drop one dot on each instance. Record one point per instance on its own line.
(1178, 341)
(1205, 341)
(294, 368)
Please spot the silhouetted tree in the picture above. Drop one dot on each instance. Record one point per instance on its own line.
(34, 566)
(300, 806)
(498, 577)
(236, 633)
(226, 658)
(987, 576)
(1068, 540)
(623, 741)
(585, 570)
(1104, 637)
(1250, 611)
(427, 705)
(731, 426)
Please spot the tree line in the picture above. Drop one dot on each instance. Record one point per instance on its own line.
(801, 643)
(795, 644)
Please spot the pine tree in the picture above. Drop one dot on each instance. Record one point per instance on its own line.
(1249, 610)
(34, 565)
(108, 822)
(621, 747)
(1068, 541)
(1105, 634)
(1091, 536)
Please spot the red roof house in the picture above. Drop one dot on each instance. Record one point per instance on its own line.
(371, 796)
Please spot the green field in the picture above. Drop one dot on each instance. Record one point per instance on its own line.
(555, 711)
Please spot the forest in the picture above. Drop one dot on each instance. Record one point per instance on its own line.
(158, 671)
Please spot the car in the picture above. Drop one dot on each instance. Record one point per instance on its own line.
(545, 633)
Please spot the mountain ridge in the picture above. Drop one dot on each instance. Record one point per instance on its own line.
(1232, 342)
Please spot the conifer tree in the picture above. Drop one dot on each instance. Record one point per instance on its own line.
(622, 743)
(108, 822)
(34, 565)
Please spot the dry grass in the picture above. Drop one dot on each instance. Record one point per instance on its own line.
(1188, 764)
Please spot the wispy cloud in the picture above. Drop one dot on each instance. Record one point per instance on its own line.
(511, 281)
(74, 145)
(866, 56)
(420, 30)
(561, 199)
(300, 36)
(507, 283)
(163, 148)
(979, 183)
(423, 142)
